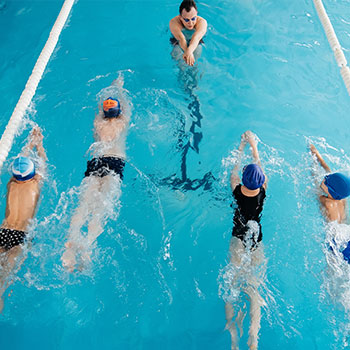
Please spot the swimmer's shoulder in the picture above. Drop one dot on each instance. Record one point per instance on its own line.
(175, 22)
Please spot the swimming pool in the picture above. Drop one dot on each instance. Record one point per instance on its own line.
(157, 275)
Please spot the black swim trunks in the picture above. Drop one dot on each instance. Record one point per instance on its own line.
(11, 238)
(104, 166)
(248, 209)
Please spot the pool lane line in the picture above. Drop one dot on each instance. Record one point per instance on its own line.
(33, 81)
(334, 43)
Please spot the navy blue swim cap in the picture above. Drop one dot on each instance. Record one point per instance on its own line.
(346, 253)
(338, 185)
(111, 107)
(253, 177)
(23, 169)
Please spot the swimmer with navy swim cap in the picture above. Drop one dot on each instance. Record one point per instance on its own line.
(249, 199)
(336, 188)
(23, 192)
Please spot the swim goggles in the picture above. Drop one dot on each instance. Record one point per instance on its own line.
(189, 19)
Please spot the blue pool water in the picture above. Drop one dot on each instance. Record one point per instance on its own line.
(158, 278)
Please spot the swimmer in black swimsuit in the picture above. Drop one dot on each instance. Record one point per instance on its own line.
(246, 239)
(101, 186)
(104, 166)
(23, 191)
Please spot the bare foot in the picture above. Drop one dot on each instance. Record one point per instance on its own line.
(68, 257)
(84, 259)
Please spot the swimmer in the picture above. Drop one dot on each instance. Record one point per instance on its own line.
(23, 192)
(336, 188)
(188, 24)
(101, 185)
(246, 237)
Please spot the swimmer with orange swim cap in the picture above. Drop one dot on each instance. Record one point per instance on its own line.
(104, 173)
(188, 20)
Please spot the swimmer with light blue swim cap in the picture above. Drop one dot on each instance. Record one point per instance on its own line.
(336, 187)
(23, 192)
(23, 169)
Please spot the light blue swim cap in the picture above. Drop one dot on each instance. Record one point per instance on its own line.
(23, 169)
(253, 177)
(338, 185)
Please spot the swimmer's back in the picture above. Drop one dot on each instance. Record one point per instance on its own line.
(21, 202)
(110, 129)
(334, 209)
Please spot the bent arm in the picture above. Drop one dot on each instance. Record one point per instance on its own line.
(198, 35)
(176, 29)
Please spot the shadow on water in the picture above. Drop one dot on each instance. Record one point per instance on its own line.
(188, 78)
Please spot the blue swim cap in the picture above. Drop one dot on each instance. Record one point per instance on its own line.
(346, 253)
(338, 185)
(23, 169)
(253, 176)
(111, 107)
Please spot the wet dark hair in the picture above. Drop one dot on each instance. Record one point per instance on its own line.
(187, 5)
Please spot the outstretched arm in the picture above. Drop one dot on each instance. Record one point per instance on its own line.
(176, 29)
(201, 30)
(251, 139)
(234, 178)
(319, 158)
(36, 143)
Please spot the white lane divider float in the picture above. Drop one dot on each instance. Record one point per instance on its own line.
(334, 43)
(33, 81)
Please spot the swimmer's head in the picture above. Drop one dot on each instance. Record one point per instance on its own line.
(23, 169)
(253, 177)
(337, 185)
(111, 107)
(188, 14)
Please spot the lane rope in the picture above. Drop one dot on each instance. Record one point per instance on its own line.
(33, 81)
(334, 43)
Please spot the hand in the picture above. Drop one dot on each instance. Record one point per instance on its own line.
(188, 58)
(36, 134)
(36, 137)
(313, 149)
(119, 81)
(249, 137)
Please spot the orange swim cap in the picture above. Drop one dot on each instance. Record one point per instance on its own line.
(111, 107)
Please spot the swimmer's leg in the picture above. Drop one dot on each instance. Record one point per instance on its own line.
(236, 252)
(109, 194)
(256, 301)
(255, 318)
(9, 263)
(90, 187)
(230, 326)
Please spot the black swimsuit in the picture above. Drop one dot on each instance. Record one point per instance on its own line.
(11, 238)
(103, 166)
(248, 209)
